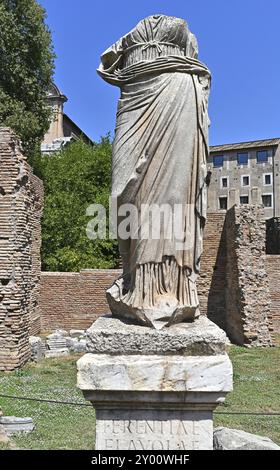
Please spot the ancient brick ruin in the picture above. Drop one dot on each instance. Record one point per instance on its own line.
(74, 300)
(247, 293)
(238, 288)
(21, 196)
(272, 264)
(233, 288)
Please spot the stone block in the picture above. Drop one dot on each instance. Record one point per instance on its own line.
(77, 333)
(155, 372)
(234, 439)
(13, 424)
(38, 348)
(156, 389)
(3, 435)
(110, 335)
(154, 430)
(56, 343)
(57, 353)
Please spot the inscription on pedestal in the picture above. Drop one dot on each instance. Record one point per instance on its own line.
(153, 430)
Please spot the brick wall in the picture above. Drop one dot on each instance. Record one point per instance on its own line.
(75, 300)
(273, 270)
(212, 281)
(37, 190)
(19, 264)
(233, 287)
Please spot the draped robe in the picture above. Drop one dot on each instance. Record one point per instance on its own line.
(159, 157)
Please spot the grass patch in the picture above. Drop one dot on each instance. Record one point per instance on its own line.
(256, 388)
(57, 426)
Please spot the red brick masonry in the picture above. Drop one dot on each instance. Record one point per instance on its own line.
(75, 300)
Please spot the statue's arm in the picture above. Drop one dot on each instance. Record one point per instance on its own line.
(111, 56)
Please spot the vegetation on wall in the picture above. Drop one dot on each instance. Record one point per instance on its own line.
(26, 64)
(74, 178)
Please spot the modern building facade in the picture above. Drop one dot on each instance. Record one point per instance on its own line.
(62, 129)
(245, 173)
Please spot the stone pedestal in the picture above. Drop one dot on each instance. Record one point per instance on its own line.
(155, 389)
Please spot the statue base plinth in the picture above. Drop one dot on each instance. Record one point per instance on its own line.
(155, 390)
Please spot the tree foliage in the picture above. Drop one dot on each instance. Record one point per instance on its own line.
(26, 70)
(74, 178)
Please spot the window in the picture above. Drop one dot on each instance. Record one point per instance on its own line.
(242, 158)
(262, 156)
(223, 203)
(267, 200)
(245, 180)
(224, 182)
(244, 200)
(267, 179)
(218, 161)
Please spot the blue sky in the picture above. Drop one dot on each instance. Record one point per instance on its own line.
(239, 40)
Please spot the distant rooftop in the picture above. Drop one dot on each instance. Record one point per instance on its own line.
(245, 145)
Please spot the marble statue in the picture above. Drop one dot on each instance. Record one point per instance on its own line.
(159, 158)
(155, 370)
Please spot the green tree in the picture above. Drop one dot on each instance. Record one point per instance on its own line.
(74, 178)
(26, 70)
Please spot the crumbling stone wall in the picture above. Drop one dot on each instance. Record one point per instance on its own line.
(247, 293)
(20, 209)
(273, 271)
(233, 286)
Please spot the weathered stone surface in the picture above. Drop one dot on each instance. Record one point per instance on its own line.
(154, 402)
(57, 353)
(153, 373)
(20, 211)
(163, 395)
(57, 340)
(56, 343)
(247, 293)
(38, 348)
(156, 390)
(234, 439)
(272, 263)
(114, 336)
(70, 342)
(174, 148)
(77, 333)
(154, 430)
(3, 435)
(58, 334)
(80, 346)
(76, 345)
(13, 424)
